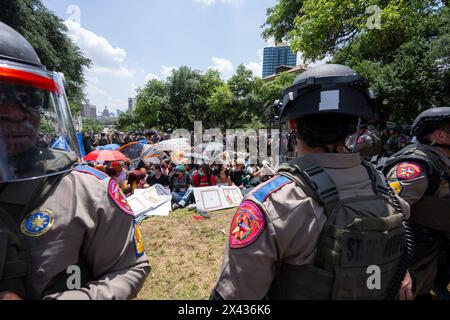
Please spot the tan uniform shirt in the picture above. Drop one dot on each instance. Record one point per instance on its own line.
(294, 223)
(87, 224)
(412, 190)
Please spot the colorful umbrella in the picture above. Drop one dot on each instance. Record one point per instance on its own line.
(173, 145)
(108, 147)
(136, 150)
(105, 156)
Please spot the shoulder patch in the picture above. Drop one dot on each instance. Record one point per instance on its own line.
(396, 186)
(117, 196)
(94, 172)
(271, 186)
(247, 225)
(408, 171)
(138, 241)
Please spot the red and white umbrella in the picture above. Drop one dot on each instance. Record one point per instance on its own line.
(105, 156)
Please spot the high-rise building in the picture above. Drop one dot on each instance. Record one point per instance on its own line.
(275, 57)
(131, 104)
(89, 111)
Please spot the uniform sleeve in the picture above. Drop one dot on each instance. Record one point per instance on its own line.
(248, 267)
(409, 181)
(113, 248)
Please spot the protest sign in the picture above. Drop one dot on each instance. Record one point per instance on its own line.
(217, 198)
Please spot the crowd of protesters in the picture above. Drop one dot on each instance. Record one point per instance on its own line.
(180, 179)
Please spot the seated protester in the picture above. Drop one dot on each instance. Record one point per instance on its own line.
(237, 174)
(180, 186)
(121, 176)
(157, 177)
(216, 169)
(165, 167)
(203, 177)
(224, 179)
(255, 173)
(135, 181)
(190, 170)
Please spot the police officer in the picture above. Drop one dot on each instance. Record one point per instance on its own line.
(313, 230)
(420, 174)
(66, 230)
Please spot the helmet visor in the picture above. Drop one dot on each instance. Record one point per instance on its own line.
(37, 136)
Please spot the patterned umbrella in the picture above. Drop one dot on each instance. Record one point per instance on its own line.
(173, 145)
(136, 150)
(105, 156)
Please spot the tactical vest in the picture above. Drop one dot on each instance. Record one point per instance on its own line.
(430, 216)
(359, 232)
(14, 257)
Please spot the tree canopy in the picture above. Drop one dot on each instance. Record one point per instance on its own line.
(401, 46)
(47, 34)
(190, 95)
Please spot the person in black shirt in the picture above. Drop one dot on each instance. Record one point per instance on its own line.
(157, 177)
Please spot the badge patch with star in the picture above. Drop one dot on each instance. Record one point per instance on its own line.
(408, 171)
(37, 223)
(119, 198)
(247, 225)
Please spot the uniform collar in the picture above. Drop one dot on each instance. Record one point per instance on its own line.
(435, 150)
(335, 160)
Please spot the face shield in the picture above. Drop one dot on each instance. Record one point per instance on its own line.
(37, 136)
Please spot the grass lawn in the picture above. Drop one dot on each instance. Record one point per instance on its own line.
(185, 254)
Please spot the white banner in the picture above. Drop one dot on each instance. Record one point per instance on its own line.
(217, 198)
(154, 201)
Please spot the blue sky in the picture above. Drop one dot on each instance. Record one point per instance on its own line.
(136, 40)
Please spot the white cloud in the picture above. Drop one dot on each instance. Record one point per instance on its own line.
(151, 76)
(224, 66)
(94, 46)
(256, 67)
(211, 2)
(166, 71)
(109, 76)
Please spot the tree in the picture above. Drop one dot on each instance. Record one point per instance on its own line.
(47, 34)
(92, 125)
(406, 60)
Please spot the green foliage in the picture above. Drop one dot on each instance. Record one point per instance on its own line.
(92, 125)
(130, 121)
(406, 60)
(189, 95)
(47, 34)
(45, 127)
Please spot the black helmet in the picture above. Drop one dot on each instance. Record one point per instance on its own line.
(328, 89)
(429, 121)
(14, 47)
(32, 102)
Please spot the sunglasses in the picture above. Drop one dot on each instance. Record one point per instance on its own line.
(28, 98)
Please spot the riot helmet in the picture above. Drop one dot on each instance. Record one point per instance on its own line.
(329, 102)
(429, 121)
(33, 108)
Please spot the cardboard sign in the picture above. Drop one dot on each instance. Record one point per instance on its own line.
(217, 198)
(153, 201)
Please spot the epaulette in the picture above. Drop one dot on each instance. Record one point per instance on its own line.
(271, 186)
(94, 172)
